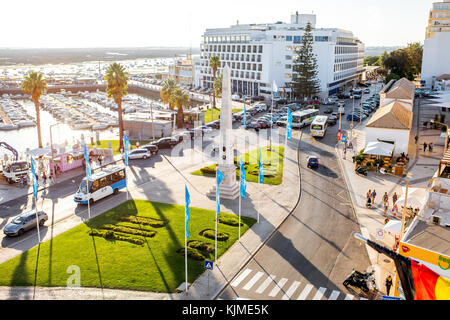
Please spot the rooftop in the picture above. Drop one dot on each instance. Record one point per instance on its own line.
(430, 236)
(392, 116)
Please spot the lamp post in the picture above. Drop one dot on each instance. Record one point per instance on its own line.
(446, 135)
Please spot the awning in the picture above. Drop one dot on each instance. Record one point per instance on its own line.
(39, 152)
(416, 197)
(379, 149)
(393, 226)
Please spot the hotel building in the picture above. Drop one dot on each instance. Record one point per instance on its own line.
(259, 54)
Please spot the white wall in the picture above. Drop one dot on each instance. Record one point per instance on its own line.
(436, 57)
(400, 137)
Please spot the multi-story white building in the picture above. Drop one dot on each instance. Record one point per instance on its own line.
(258, 54)
(436, 57)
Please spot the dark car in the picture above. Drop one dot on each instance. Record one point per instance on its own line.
(354, 116)
(328, 110)
(263, 124)
(331, 121)
(253, 125)
(165, 143)
(151, 147)
(312, 162)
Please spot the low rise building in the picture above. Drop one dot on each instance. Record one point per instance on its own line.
(183, 71)
(401, 91)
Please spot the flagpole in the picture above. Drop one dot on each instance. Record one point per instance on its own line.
(215, 244)
(37, 219)
(185, 251)
(240, 199)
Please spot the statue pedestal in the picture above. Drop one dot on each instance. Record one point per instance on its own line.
(229, 188)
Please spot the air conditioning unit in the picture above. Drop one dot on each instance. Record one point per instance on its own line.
(436, 220)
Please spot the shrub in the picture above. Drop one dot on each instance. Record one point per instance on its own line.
(211, 234)
(111, 235)
(201, 246)
(144, 233)
(369, 164)
(229, 221)
(192, 253)
(358, 162)
(155, 223)
(208, 170)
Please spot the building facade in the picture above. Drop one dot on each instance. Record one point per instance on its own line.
(183, 71)
(436, 60)
(259, 54)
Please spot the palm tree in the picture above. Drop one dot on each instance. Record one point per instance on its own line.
(36, 85)
(179, 99)
(167, 89)
(217, 85)
(214, 63)
(116, 88)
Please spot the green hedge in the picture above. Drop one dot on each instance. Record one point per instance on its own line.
(229, 221)
(208, 170)
(211, 234)
(111, 235)
(201, 246)
(192, 253)
(155, 223)
(133, 231)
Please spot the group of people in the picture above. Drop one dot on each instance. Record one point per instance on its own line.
(429, 145)
(371, 195)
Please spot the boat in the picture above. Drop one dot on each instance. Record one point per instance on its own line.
(26, 123)
(101, 126)
(7, 126)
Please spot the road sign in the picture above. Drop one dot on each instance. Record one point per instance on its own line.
(389, 298)
(339, 136)
(209, 265)
(380, 234)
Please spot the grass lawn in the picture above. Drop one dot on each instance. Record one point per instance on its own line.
(272, 163)
(216, 113)
(154, 266)
(103, 144)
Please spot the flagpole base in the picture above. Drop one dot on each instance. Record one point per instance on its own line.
(230, 192)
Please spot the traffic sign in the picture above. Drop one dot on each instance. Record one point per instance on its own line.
(380, 234)
(389, 298)
(209, 265)
(339, 136)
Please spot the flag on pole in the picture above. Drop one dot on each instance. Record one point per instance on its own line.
(243, 180)
(219, 178)
(88, 165)
(289, 125)
(188, 202)
(260, 168)
(127, 148)
(245, 117)
(33, 177)
(274, 88)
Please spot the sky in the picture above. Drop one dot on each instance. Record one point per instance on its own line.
(180, 23)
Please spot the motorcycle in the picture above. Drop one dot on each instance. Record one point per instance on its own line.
(361, 171)
(360, 280)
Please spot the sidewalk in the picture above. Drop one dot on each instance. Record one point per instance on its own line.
(276, 204)
(418, 174)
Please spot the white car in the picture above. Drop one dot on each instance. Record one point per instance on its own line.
(140, 153)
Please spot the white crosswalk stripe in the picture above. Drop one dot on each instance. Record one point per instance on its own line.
(334, 295)
(278, 287)
(241, 277)
(319, 294)
(291, 290)
(349, 297)
(255, 278)
(305, 292)
(265, 284)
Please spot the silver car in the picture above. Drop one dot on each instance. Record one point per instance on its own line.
(24, 222)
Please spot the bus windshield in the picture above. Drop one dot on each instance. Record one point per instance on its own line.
(82, 188)
(317, 127)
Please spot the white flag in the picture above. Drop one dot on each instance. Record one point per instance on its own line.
(274, 87)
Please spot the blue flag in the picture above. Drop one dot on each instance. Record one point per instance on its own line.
(188, 202)
(260, 168)
(274, 89)
(219, 178)
(245, 117)
(88, 165)
(127, 148)
(289, 125)
(33, 177)
(243, 180)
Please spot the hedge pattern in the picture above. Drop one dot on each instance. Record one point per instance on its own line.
(211, 234)
(192, 253)
(155, 223)
(128, 230)
(111, 235)
(229, 221)
(201, 246)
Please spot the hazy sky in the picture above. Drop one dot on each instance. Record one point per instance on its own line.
(148, 23)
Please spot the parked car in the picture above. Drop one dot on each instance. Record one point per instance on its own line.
(205, 129)
(139, 153)
(328, 110)
(263, 124)
(253, 125)
(312, 162)
(367, 90)
(152, 148)
(354, 116)
(282, 121)
(166, 143)
(24, 222)
(331, 121)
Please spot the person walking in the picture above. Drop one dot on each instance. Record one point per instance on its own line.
(430, 147)
(395, 210)
(425, 145)
(374, 194)
(369, 194)
(388, 284)
(385, 202)
(394, 198)
(21, 182)
(416, 138)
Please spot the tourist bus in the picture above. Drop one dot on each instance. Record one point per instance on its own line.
(303, 118)
(101, 184)
(319, 126)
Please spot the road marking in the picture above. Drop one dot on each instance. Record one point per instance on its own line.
(241, 277)
(319, 293)
(265, 284)
(278, 287)
(305, 292)
(291, 290)
(334, 295)
(349, 297)
(255, 278)
(361, 298)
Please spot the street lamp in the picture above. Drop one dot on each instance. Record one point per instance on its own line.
(446, 134)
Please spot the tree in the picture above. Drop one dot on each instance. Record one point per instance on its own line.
(305, 83)
(405, 62)
(167, 89)
(214, 63)
(179, 98)
(372, 61)
(116, 88)
(35, 84)
(218, 85)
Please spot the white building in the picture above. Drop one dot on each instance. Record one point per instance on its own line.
(436, 57)
(258, 54)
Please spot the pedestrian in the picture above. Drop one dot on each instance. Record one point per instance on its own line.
(395, 210)
(369, 194)
(162, 131)
(386, 206)
(416, 138)
(21, 182)
(394, 198)
(425, 145)
(386, 220)
(388, 284)
(100, 159)
(374, 194)
(430, 147)
(44, 177)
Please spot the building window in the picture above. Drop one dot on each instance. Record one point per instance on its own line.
(288, 48)
(297, 39)
(288, 57)
(321, 38)
(288, 38)
(260, 49)
(259, 67)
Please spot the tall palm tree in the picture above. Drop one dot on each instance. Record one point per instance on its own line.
(179, 99)
(167, 89)
(116, 88)
(218, 85)
(214, 63)
(35, 84)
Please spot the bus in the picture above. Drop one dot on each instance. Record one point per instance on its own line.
(303, 118)
(319, 126)
(101, 184)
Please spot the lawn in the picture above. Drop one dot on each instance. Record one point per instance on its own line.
(104, 144)
(216, 113)
(153, 266)
(272, 164)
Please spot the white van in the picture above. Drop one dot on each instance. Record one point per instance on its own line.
(14, 171)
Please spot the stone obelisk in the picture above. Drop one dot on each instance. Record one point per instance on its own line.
(229, 188)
